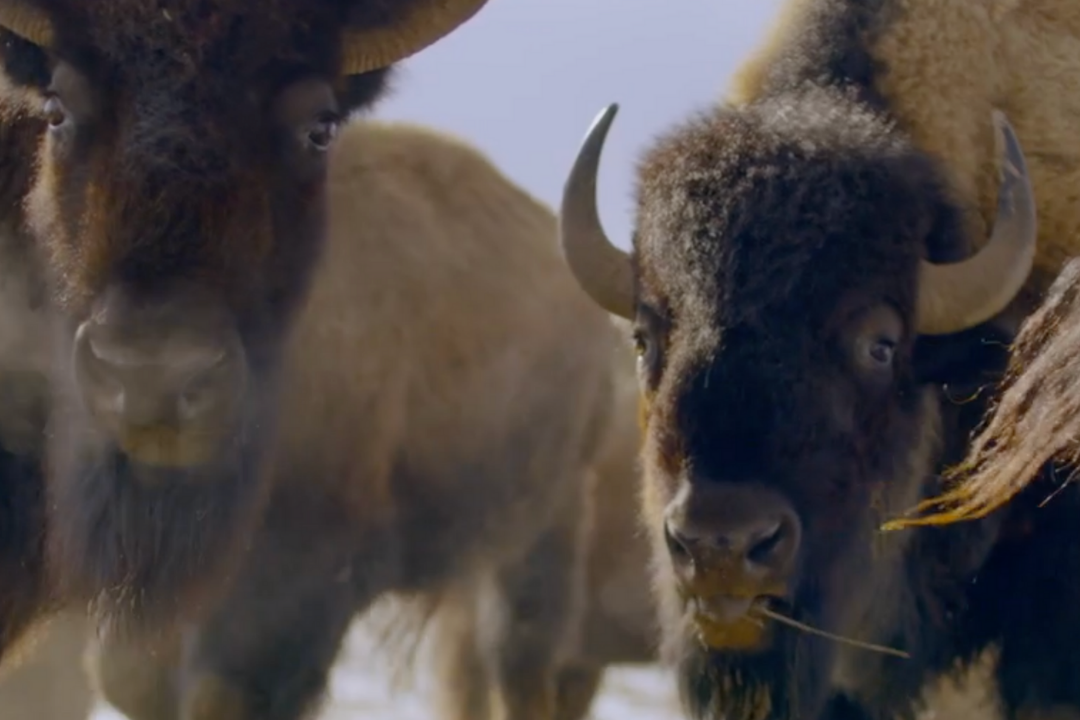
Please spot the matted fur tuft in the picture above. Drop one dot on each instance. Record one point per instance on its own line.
(1035, 421)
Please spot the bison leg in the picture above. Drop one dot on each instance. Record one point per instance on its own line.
(577, 685)
(136, 679)
(463, 689)
(542, 599)
(267, 651)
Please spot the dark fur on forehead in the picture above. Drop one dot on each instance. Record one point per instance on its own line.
(187, 37)
(779, 201)
(126, 14)
(203, 19)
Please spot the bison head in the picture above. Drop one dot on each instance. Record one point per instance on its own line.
(794, 324)
(179, 204)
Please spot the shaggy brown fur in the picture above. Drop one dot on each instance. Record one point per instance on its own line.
(446, 392)
(168, 159)
(775, 267)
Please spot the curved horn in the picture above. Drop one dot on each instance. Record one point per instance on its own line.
(28, 22)
(602, 269)
(421, 24)
(960, 295)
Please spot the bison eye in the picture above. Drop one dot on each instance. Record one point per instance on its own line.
(55, 113)
(648, 356)
(881, 351)
(650, 336)
(320, 134)
(872, 338)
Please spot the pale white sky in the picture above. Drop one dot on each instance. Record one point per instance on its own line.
(524, 79)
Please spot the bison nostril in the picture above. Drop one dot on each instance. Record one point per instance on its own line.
(193, 402)
(147, 380)
(677, 547)
(764, 546)
(774, 547)
(203, 392)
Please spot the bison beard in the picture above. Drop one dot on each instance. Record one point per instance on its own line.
(139, 543)
(788, 680)
(784, 682)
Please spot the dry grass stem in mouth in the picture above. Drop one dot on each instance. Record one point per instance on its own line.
(761, 609)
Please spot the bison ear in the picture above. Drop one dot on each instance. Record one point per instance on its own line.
(380, 33)
(964, 361)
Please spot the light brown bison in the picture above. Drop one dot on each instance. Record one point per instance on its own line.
(619, 620)
(164, 195)
(827, 268)
(445, 394)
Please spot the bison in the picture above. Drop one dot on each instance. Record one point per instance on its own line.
(445, 397)
(819, 324)
(164, 189)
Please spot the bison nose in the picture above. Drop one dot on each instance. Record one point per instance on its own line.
(737, 538)
(172, 384)
(176, 362)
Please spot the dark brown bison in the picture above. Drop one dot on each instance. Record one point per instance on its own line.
(445, 394)
(811, 352)
(164, 193)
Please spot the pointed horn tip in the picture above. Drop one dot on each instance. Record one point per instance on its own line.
(1014, 154)
(593, 140)
(603, 118)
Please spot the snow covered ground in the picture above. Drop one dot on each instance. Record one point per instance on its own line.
(362, 688)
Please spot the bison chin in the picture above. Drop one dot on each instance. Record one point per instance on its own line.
(848, 587)
(788, 680)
